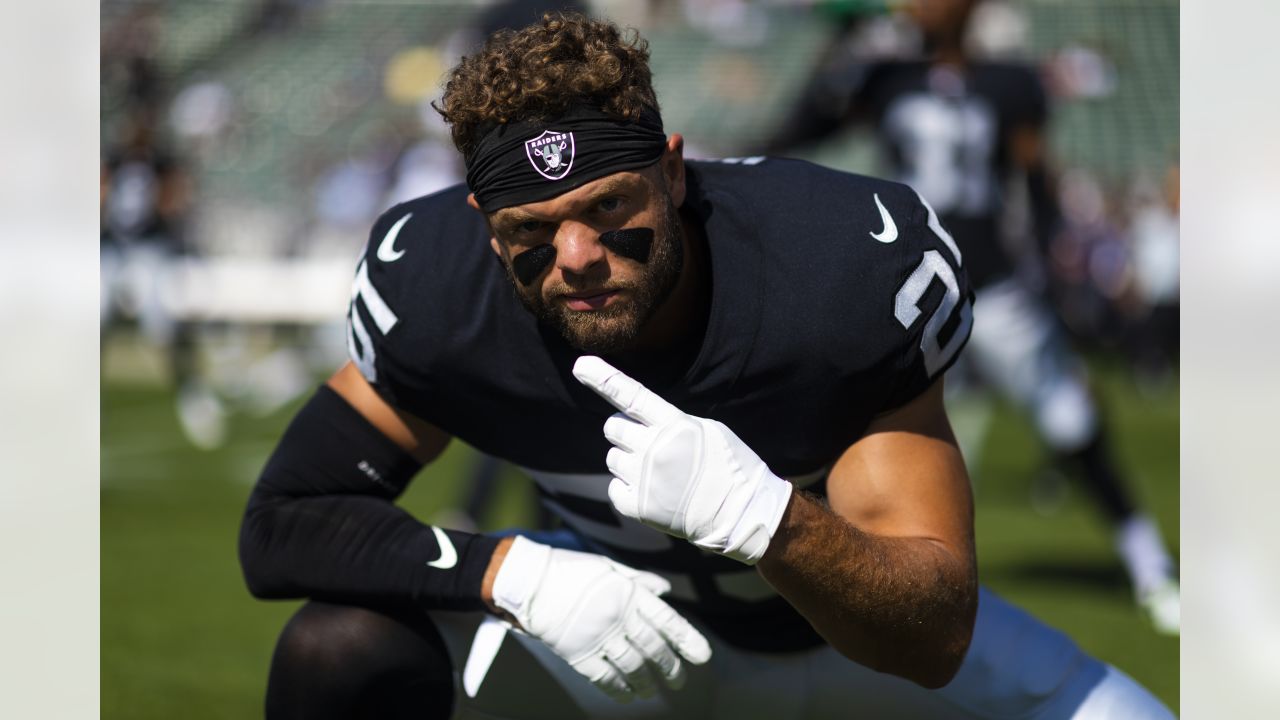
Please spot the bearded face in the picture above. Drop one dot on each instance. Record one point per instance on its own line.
(603, 309)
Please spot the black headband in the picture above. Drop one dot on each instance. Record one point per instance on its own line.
(535, 160)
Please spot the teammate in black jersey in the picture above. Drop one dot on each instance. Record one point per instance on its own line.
(725, 377)
(961, 131)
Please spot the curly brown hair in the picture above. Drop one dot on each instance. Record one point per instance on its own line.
(540, 71)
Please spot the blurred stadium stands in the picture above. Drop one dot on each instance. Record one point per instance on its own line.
(1134, 127)
(294, 118)
(285, 101)
(299, 121)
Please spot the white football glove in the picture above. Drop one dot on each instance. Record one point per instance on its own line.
(684, 475)
(603, 618)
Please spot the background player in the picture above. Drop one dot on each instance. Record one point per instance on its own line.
(146, 200)
(678, 273)
(963, 131)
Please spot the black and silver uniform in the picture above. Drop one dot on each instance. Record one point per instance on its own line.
(947, 133)
(835, 297)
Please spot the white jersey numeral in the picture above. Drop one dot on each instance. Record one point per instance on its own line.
(753, 160)
(906, 308)
(359, 342)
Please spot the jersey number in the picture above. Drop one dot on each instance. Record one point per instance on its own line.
(362, 354)
(906, 307)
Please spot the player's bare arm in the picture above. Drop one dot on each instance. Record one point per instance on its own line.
(420, 439)
(887, 576)
(885, 570)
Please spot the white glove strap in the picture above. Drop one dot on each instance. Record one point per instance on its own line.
(519, 576)
(750, 536)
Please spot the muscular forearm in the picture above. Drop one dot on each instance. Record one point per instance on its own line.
(903, 602)
(903, 606)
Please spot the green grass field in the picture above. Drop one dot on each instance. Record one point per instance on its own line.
(181, 637)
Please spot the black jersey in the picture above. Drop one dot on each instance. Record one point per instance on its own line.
(946, 132)
(835, 297)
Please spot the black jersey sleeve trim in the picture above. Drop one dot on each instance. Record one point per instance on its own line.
(321, 522)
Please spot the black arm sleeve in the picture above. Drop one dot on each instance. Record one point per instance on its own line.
(321, 522)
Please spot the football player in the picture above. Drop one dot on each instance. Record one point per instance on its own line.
(725, 377)
(960, 130)
(145, 204)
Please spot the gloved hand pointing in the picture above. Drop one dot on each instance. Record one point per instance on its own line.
(684, 475)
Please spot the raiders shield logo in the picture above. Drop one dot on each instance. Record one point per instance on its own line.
(551, 154)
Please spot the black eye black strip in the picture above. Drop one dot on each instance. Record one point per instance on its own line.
(630, 243)
(529, 264)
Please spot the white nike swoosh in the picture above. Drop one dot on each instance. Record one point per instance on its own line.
(888, 235)
(386, 249)
(448, 556)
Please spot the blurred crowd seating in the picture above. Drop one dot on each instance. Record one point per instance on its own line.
(297, 117)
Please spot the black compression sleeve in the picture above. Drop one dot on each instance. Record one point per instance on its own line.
(321, 522)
